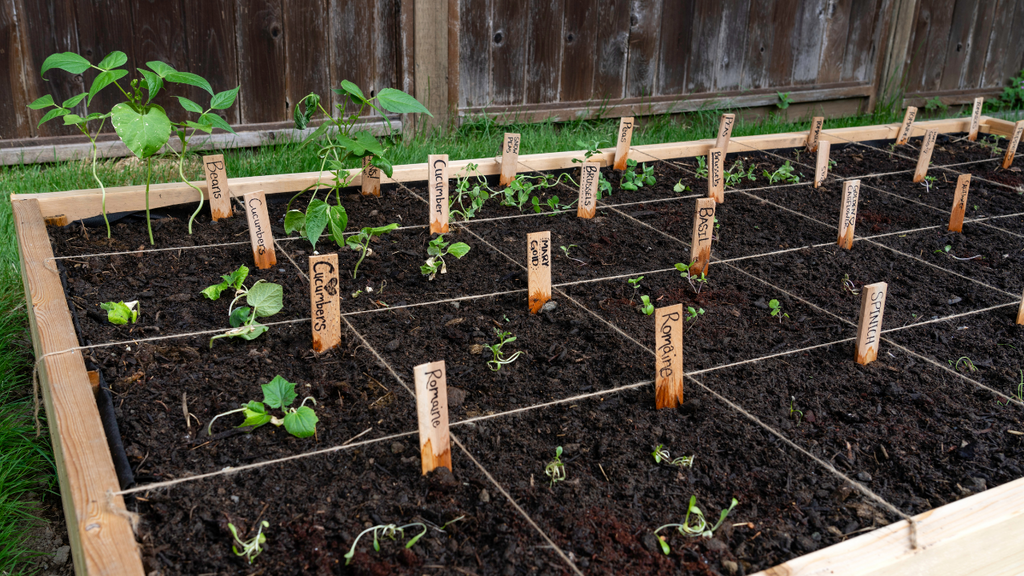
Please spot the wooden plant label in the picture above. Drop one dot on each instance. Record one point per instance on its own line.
(848, 213)
(869, 327)
(700, 242)
(259, 229)
(716, 184)
(975, 119)
(668, 338)
(590, 174)
(217, 186)
(538, 256)
(725, 132)
(956, 217)
(821, 170)
(927, 145)
(437, 166)
(815, 134)
(1020, 311)
(908, 123)
(432, 413)
(324, 301)
(624, 137)
(371, 178)
(1011, 147)
(509, 158)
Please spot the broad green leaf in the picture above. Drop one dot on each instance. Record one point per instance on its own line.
(459, 249)
(189, 105)
(368, 143)
(66, 61)
(73, 101)
(317, 215)
(143, 134)
(352, 90)
(224, 100)
(43, 102)
(317, 134)
(254, 330)
(266, 298)
(384, 164)
(113, 60)
(355, 241)
(380, 230)
(153, 82)
(301, 423)
(204, 127)
(255, 415)
(213, 292)
(239, 316)
(236, 277)
(279, 393)
(190, 79)
(53, 114)
(399, 102)
(72, 119)
(216, 121)
(96, 116)
(161, 68)
(304, 111)
(337, 222)
(294, 221)
(117, 312)
(104, 79)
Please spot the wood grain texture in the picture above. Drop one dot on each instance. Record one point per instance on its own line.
(102, 29)
(307, 62)
(1011, 146)
(929, 49)
(668, 353)
(705, 50)
(158, 33)
(261, 58)
(642, 60)
(834, 41)
(732, 46)
(623, 139)
(905, 127)
(508, 50)
(437, 177)
(431, 53)
(474, 58)
(509, 158)
(759, 44)
(675, 49)
(212, 52)
(50, 28)
(784, 19)
(956, 215)
(821, 163)
(613, 30)
(217, 186)
(101, 541)
(1020, 311)
(925, 157)
(431, 382)
(861, 54)
(261, 236)
(869, 323)
(700, 239)
(978, 45)
(586, 206)
(538, 265)
(807, 43)
(716, 182)
(324, 302)
(370, 179)
(958, 44)
(1000, 33)
(14, 122)
(544, 61)
(579, 45)
(848, 213)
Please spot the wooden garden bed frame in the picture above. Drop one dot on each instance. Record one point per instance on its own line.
(978, 534)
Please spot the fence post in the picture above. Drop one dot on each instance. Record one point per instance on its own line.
(890, 74)
(430, 54)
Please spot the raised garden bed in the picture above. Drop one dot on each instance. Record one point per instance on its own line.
(827, 458)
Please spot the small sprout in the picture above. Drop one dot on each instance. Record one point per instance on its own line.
(635, 283)
(702, 168)
(679, 188)
(633, 181)
(646, 307)
(966, 362)
(776, 309)
(277, 394)
(1019, 397)
(356, 294)
(263, 299)
(696, 282)
(437, 249)
(121, 313)
(566, 249)
(831, 164)
(692, 313)
(251, 548)
(699, 526)
(388, 530)
(944, 250)
(849, 285)
(734, 176)
(660, 454)
(794, 414)
(928, 181)
(556, 469)
(783, 174)
(360, 242)
(498, 357)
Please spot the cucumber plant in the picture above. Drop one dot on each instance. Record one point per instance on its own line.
(437, 249)
(263, 299)
(278, 394)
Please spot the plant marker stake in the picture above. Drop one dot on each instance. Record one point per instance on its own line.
(1011, 148)
(822, 167)
(927, 145)
(622, 141)
(437, 166)
(370, 178)
(260, 236)
(432, 413)
(217, 186)
(1020, 311)
(956, 217)
(975, 119)
(716, 184)
(509, 158)
(700, 242)
(848, 213)
(725, 132)
(908, 123)
(668, 338)
(324, 301)
(590, 173)
(538, 257)
(815, 133)
(869, 327)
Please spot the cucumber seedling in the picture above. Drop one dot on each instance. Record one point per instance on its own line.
(699, 526)
(498, 357)
(679, 188)
(360, 241)
(263, 299)
(776, 309)
(121, 313)
(437, 249)
(250, 549)
(692, 313)
(278, 394)
(556, 469)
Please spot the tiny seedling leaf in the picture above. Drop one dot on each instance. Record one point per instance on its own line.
(66, 61)
(255, 415)
(459, 249)
(279, 393)
(399, 102)
(301, 423)
(266, 298)
(239, 316)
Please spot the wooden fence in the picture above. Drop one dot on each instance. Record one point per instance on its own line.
(524, 59)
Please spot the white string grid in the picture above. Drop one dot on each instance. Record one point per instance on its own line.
(603, 392)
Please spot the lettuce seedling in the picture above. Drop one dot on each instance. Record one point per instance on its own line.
(263, 299)
(499, 359)
(278, 394)
(437, 250)
(360, 241)
(556, 469)
(776, 309)
(646, 307)
(250, 548)
(699, 527)
(121, 313)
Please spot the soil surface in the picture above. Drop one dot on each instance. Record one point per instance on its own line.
(777, 413)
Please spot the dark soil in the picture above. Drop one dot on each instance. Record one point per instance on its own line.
(916, 433)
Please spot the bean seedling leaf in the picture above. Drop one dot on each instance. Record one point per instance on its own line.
(66, 61)
(317, 216)
(43, 102)
(352, 90)
(301, 423)
(399, 102)
(104, 79)
(255, 415)
(143, 133)
(153, 82)
(189, 105)
(266, 298)
(216, 121)
(294, 220)
(224, 100)
(279, 393)
(115, 59)
(190, 79)
(338, 221)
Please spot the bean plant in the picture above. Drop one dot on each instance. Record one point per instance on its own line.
(263, 299)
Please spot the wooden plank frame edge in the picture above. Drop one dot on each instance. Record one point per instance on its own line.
(101, 541)
(77, 204)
